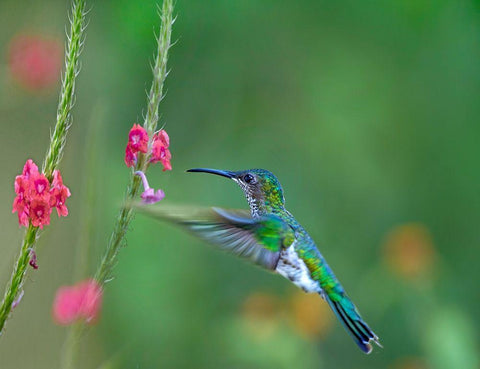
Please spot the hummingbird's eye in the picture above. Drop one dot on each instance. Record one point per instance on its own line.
(248, 178)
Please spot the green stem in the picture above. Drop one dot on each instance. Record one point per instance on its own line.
(54, 153)
(18, 276)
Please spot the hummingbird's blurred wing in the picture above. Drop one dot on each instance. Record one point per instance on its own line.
(258, 240)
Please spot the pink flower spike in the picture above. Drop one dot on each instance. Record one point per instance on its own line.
(138, 139)
(82, 301)
(149, 196)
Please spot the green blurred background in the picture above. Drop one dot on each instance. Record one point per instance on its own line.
(368, 113)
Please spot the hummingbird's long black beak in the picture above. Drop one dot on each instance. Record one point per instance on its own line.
(223, 173)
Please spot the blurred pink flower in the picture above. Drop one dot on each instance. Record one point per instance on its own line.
(35, 61)
(82, 301)
(150, 196)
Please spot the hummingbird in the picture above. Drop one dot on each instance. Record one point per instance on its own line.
(270, 237)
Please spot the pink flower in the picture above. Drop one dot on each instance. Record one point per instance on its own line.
(36, 196)
(82, 301)
(149, 196)
(39, 187)
(138, 138)
(39, 212)
(130, 157)
(59, 194)
(20, 206)
(160, 151)
(29, 169)
(137, 142)
(34, 61)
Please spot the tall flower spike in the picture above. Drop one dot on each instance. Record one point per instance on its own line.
(52, 158)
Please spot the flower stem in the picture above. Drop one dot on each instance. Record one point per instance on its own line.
(125, 216)
(144, 179)
(54, 153)
(18, 276)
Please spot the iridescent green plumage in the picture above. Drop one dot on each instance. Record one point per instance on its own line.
(271, 237)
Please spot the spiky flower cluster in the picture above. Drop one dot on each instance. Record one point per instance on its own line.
(138, 142)
(36, 196)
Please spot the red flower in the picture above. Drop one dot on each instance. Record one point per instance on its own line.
(39, 211)
(160, 151)
(35, 61)
(59, 194)
(39, 186)
(36, 196)
(81, 301)
(138, 138)
(137, 142)
(20, 206)
(130, 157)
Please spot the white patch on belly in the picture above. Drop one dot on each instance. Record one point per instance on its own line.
(293, 268)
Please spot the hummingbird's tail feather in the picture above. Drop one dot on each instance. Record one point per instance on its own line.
(353, 323)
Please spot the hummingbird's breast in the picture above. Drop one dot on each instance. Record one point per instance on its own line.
(290, 264)
(294, 268)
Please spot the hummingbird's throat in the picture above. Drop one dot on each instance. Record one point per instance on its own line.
(254, 199)
(262, 199)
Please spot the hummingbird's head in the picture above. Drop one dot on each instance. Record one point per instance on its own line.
(262, 189)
